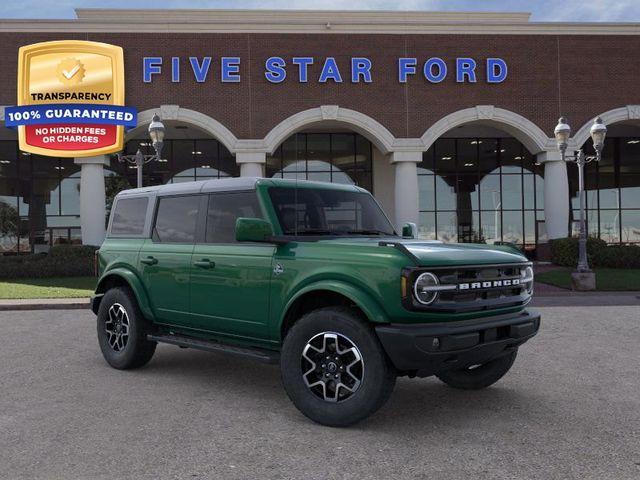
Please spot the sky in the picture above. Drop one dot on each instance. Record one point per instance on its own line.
(542, 10)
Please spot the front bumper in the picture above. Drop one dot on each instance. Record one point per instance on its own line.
(426, 349)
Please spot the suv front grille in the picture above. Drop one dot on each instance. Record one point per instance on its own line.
(474, 288)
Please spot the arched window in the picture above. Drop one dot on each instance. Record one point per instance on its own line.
(326, 157)
(481, 190)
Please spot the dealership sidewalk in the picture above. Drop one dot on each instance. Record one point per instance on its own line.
(44, 304)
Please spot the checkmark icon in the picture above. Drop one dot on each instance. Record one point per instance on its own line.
(71, 73)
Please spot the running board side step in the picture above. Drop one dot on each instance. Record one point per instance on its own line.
(261, 355)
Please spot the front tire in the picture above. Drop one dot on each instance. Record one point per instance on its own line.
(477, 377)
(334, 369)
(122, 331)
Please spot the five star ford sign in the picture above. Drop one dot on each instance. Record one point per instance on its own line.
(70, 99)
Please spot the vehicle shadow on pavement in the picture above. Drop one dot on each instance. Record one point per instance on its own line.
(415, 403)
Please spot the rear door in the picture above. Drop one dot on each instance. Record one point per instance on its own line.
(230, 281)
(165, 258)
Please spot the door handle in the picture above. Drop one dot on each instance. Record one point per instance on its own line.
(149, 260)
(204, 263)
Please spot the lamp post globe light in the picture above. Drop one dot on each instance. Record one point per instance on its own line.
(156, 134)
(583, 278)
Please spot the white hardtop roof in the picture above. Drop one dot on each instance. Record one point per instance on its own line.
(225, 185)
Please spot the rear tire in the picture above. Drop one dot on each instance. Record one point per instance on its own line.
(122, 330)
(481, 376)
(334, 368)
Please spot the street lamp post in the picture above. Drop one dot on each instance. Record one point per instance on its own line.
(156, 133)
(562, 133)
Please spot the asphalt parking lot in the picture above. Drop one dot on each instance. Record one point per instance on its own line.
(570, 408)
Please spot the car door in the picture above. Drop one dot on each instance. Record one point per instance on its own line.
(230, 281)
(165, 258)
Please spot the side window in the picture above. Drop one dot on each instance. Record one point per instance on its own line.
(129, 215)
(224, 209)
(176, 219)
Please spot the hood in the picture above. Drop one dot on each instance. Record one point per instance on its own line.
(435, 253)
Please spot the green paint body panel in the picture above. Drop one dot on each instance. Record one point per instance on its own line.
(245, 296)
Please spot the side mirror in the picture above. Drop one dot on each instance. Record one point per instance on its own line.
(253, 230)
(409, 230)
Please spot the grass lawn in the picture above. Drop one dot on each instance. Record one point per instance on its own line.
(69, 287)
(606, 278)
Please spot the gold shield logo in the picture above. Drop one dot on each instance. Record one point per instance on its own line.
(74, 73)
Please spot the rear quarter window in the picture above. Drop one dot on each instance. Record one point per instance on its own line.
(129, 215)
(176, 219)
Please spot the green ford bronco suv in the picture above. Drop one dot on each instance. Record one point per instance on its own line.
(311, 276)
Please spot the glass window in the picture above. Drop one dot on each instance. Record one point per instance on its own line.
(609, 225)
(70, 196)
(8, 159)
(491, 225)
(467, 192)
(315, 211)
(426, 166)
(129, 215)
(44, 166)
(468, 227)
(182, 163)
(227, 166)
(426, 187)
(447, 226)
(445, 194)
(205, 154)
(427, 227)
(511, 192)
(445, 156)
(9, 223)
(490, 197)
(467, 154)
(512, 230)
(326, 157)
(318, 152)
(511, 155)
(630, 222)
(223, 211)
(487, 155)
(176, 219)
(629, 155)
(630, 190)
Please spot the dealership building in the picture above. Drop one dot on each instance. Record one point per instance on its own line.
(447, 118)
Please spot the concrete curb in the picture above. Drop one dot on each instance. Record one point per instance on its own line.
(45, 304)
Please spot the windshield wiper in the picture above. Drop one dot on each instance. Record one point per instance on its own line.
(370, 232)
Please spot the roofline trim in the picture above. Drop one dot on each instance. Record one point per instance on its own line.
(100, 20)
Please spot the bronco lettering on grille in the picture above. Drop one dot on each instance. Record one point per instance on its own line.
(507, 282)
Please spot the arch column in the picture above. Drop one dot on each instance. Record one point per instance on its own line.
(92, 199)
(556, 194)
(406, 186)
(251, 163)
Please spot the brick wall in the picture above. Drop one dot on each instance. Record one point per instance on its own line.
(578, 76)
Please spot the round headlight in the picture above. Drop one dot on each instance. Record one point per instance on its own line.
(526, 275)
(423, 288)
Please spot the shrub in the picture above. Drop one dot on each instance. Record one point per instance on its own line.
(618, 256)
(61, 261)
(564, 252)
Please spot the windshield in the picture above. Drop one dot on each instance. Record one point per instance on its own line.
(317, 211)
